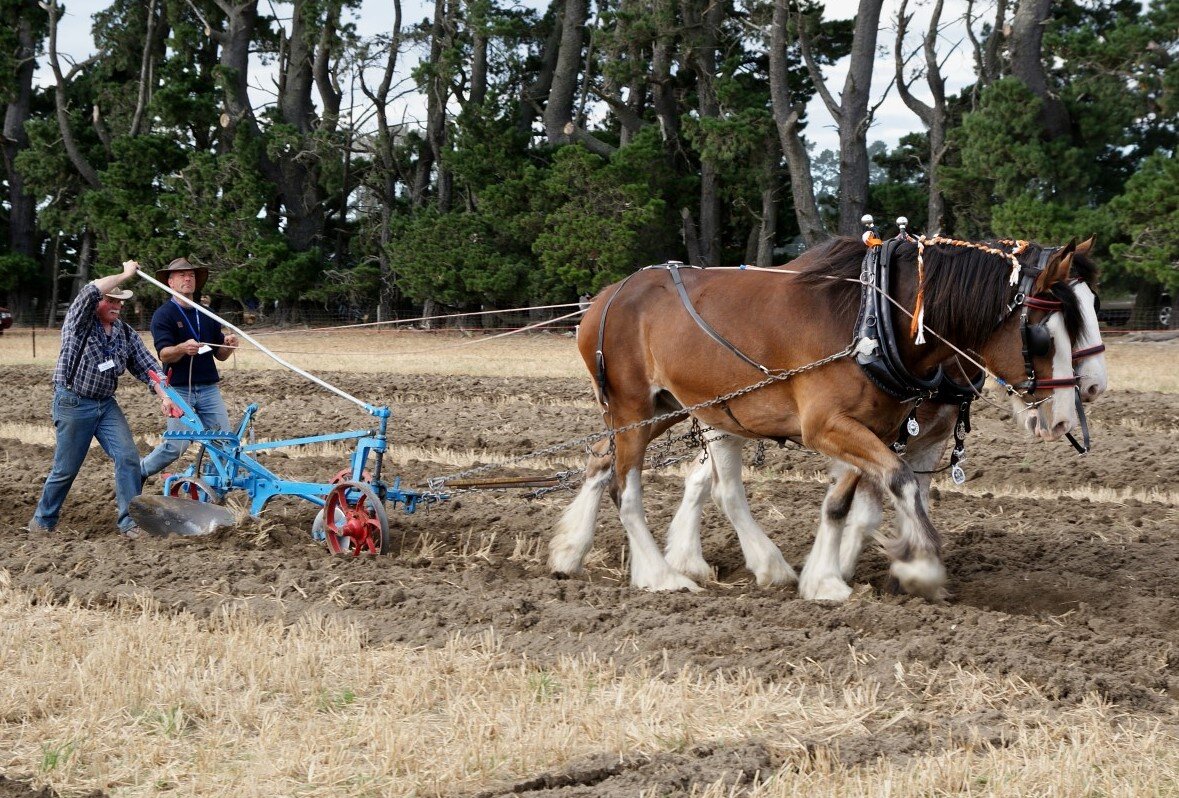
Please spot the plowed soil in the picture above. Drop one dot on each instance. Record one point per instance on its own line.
(1064, 570)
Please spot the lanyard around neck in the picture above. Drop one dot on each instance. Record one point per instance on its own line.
(194, 324)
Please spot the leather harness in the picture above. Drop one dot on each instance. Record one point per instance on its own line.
(878, 355)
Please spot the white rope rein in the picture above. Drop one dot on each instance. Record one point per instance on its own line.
(475, 342)
(441, 318)
(343, 394)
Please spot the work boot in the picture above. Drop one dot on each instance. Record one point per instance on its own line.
(131, 532)
(34, 528)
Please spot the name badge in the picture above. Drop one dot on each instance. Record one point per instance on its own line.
(106, 365)
(204, 350)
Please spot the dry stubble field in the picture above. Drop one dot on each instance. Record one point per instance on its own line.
(253, 664)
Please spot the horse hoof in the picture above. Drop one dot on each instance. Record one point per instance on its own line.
(777, 573)
(696, 569)
(828, 589)
(921, 577)
(564, 563)
(670, 582)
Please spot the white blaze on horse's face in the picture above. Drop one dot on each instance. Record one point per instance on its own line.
(1051, 420)
(1091, 369)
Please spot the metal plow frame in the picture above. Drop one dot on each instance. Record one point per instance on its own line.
(358, 523)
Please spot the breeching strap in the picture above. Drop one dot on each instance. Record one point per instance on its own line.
(674, 269)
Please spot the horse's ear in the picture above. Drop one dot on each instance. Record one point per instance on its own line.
(1086, 246)
(1057, 269)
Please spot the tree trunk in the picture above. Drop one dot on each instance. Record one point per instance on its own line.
(1027, 63)
(986, 55)
(662, 83)
(786, 118)
(294, 173)
(932, 116)
(22, 217)
(326, 80)
(436, 94)
(54, 277)
(703, 25)
(558, 110)
(235, 40)
(536, 91)
(768, 228)
(385, 179)
(478, 91)
(691, 240)
(854, 120)
(85, 261)
(936, 218)
(68, 142)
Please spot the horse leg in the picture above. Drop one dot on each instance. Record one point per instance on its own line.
(762, 556)
(822, 578)
(916, 552)
(683, 549)
(867, 509)
(575, 530)
(648, 567)
(863, 520)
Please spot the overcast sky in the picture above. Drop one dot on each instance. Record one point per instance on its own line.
(892, 120)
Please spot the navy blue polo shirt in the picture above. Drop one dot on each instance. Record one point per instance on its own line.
(171, 325)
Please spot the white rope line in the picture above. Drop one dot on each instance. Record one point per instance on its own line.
(429, 318)
(343, 394)
(475, 342)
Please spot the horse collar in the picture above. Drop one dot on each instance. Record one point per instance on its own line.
(877, 352)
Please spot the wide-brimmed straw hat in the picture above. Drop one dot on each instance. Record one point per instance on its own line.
(122, 294)
(182, 265)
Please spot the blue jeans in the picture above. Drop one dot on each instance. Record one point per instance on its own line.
(206, 401)
(79, 420)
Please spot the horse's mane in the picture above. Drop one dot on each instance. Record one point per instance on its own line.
(966, 289)
(833, 268)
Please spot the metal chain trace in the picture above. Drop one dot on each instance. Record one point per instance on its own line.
(437, 484)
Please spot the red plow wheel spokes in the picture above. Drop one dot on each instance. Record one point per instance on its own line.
(345, 475)
(355, 527)
(196, 489)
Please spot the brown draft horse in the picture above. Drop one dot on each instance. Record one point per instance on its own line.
(844, 525)
(656, 360)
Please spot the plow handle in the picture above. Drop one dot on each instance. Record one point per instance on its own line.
(160, 382)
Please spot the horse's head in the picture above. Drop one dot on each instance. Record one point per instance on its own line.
(1017, 311)
(1089, 354)
(1032, 350)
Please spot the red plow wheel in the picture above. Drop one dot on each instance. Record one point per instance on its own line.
(196, 489)
(345, 474)
(357, 527)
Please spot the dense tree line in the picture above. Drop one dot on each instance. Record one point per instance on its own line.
(560, 150)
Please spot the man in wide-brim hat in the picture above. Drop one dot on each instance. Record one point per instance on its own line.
(187, 342)
(200, 273)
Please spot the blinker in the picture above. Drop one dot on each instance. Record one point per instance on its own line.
(1038, 339)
